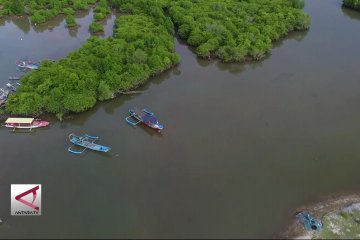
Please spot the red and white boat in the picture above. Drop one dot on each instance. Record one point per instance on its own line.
(25, 123)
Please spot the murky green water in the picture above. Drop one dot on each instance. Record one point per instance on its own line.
(243, 145)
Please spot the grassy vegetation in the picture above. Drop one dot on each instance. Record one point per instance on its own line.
(341, 225)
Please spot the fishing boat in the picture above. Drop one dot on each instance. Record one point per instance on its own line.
(14, 78)
(144, 116)
(11, 87)
(310, 223)
(85, 142)
(27, 64)
(25, 123)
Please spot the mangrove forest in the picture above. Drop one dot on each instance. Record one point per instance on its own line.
(143, 44)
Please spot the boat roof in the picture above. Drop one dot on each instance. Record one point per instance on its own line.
(20, 120)
(149, 119)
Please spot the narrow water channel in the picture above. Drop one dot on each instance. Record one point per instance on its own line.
(243, 145)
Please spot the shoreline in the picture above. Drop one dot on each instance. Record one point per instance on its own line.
(331, 204)
(132, 90)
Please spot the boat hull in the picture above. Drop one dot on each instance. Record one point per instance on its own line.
(35, 124)
(147, 118)
(86, 143)
(157, 127)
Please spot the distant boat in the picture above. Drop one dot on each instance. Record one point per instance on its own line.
(27, 64)
(3, 96)
(144, 116)
(86, 142)
(310, 223)
(25, 123)
(14, 78)
(11, 87)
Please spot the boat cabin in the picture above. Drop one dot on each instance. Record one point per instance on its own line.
(25, 123)
(19, 121)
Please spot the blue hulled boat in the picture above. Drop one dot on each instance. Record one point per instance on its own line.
(86, 142)
(144, 116)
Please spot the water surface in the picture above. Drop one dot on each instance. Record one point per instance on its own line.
(243, 145)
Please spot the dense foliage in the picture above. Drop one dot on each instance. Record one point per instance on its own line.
(70, 21)
(100, 12)
(139, 49)
(96, 27)
(41, 10)
(355, 4)
(233, 30)
(143, 45)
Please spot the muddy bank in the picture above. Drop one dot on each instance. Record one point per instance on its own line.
(333, 205)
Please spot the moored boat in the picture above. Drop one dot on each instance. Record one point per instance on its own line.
(86, 142)
(144, 116)
(310, 223)
(25, 123)
(11, 87)
(27, 64)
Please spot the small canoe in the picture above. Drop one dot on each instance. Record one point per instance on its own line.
(27, 64)
(86, 142)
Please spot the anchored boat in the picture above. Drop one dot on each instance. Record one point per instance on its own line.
(12, 87)
(144, 116)
(25, 123)
(27, 64)
(310, 223)
(86, 142)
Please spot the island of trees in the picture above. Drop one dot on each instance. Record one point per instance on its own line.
(143, 45)
(41, 11)
(234, 30)
(354, 4)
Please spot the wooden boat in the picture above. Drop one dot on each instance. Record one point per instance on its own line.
(25, 123)
(86, 142)
(144, 116)
(27, 64)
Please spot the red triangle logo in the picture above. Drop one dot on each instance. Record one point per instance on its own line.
(33, 191)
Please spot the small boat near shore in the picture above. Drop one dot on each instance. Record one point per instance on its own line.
(25, 123)
(86, 142)
(309, 222)
(27, 64)
(12, 87)
(144, 116)
(14, 78)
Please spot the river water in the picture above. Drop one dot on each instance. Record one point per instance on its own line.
(243, 145)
